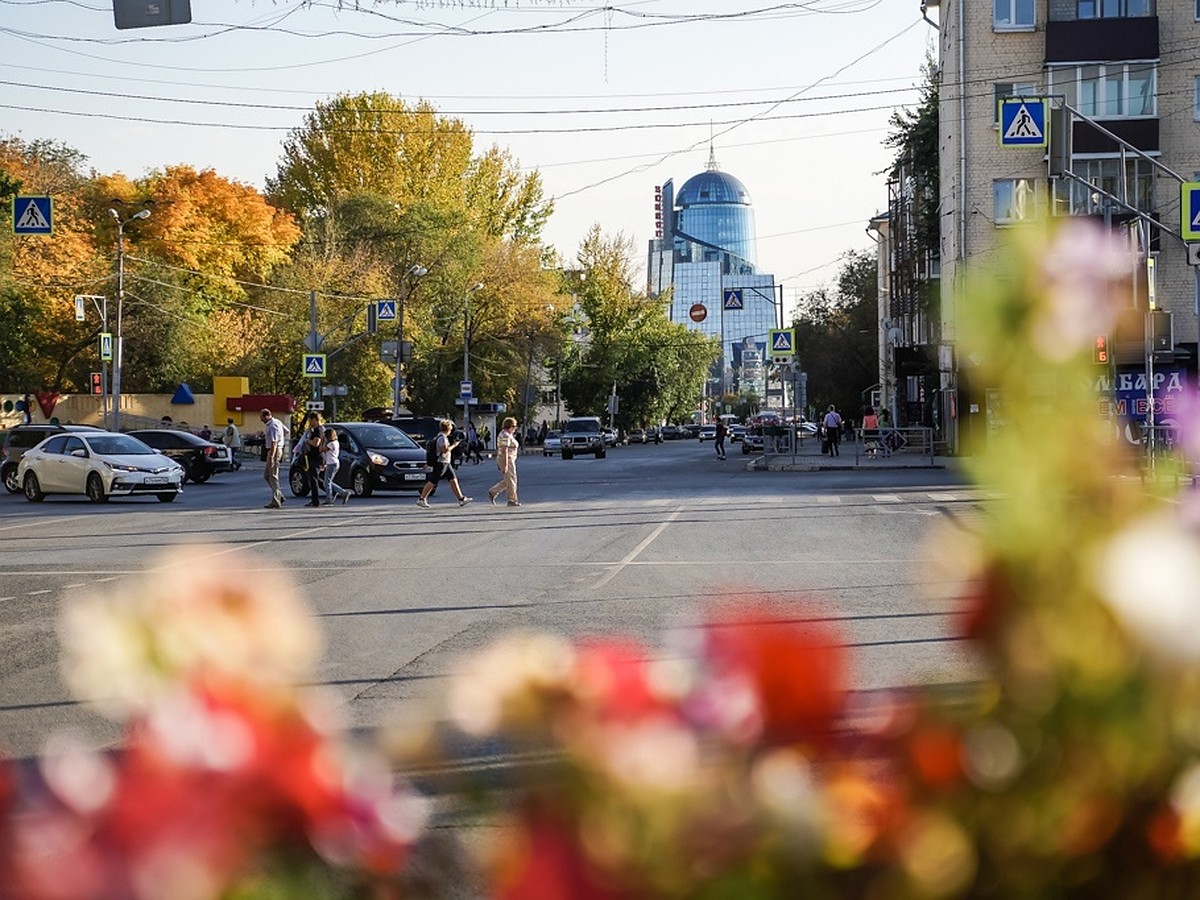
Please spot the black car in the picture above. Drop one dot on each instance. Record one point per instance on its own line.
(373, 457)
(423, 429)
(672, 432)
(201, 459)
(20, 438)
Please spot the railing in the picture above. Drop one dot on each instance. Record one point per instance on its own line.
(880, 443)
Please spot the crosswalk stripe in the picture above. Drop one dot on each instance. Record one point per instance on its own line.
(885, 498)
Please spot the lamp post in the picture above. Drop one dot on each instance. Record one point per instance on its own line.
(118, 346)
(467, 352)
(414, 274)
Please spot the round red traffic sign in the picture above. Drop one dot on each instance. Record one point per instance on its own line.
(698, 312)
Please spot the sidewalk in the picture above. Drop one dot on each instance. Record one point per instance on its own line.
(809, 458)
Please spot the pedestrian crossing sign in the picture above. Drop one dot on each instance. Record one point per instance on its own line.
(733, 299)
(385, 310)
(314, 365)
(1189, 207)
(32, 215)
(1023, 122)
(783, 344)
(106, 346)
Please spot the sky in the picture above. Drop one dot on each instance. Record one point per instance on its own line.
(606, 101)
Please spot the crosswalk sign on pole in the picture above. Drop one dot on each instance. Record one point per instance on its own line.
(32, 215)
(732, 299)
(1023, 122)
(314, 365)
(1189, 208)
(106, 346)
(385, 310)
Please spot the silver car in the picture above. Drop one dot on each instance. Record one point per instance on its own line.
(100, 465)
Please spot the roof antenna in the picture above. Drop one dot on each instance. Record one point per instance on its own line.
(712, 154)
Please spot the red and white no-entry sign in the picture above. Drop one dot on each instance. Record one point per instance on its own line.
(698, 312)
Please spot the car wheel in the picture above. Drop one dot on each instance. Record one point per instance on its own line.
(33, 490)
(600, 454)
(298, 482)
(360, 483)
(95, 489)
(200, 479)
(187, 470)
(567, 454)
(166, 498)
(11, 484)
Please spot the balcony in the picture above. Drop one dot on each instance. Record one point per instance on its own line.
(1102, 40)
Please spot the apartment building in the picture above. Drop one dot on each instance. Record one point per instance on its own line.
(1121, 76)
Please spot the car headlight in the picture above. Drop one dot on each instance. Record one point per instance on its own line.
(377, 459)
(119, 468)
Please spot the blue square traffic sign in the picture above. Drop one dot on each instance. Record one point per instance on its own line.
(733, 299)
(385, 310)
(32, 215)
(1189, 208)
(1023, 122)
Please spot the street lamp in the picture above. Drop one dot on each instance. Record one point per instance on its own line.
(414, 274)
(118, 347)
(467, 352)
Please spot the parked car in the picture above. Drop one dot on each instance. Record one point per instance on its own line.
(374, 456)
(199, 458)
(654, 435)
(637, 436)
(736, 433)
(582, 434)
(423, 429)
(691, 430)
(610, 436)
(707, 433)
(99, 464)
(672, 432)
(20, 438)
(753, 441)
(552, 444)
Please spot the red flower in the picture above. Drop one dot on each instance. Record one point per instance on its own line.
(797, 669)
(936, 755)
(612, 679)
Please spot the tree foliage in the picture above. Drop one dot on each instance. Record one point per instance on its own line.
(837, 333)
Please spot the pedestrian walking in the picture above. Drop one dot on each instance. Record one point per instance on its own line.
(887, 436)
(273, 441)
(314, 436)
(330, 448)
(473, 444)
(232, 438)
(26, 410)
(870, 432)
(719, 441)
(833, 430)
(508, 448)
(440, 468)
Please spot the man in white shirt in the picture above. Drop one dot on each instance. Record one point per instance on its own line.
(833, 430)
(273, 441)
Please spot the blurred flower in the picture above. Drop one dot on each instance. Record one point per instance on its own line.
(1084, 273)
(1149, 574)
(187, 616)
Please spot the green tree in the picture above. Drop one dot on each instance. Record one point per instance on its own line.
(837, 336)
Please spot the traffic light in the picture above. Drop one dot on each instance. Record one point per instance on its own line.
(1100, 351)
(96, 381)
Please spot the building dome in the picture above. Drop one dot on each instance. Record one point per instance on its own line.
(712, 187)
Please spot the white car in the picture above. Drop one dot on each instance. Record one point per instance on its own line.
(708, 433)
(99, 464)
(552, 444)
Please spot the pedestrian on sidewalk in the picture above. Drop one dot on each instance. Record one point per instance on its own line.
(232, 438)
(833, 430)
(870, 432)
(719, 443)
(314, 436)
(441, 469)
(273, 441)
(508, 448)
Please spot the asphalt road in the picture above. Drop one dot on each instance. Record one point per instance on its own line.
(632, 544)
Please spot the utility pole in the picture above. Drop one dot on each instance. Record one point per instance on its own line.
(314, 340)
(414, 275)
(467, 353)
(118, 343)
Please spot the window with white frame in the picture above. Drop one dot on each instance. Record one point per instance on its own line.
(1014, 15)
(1134, 185)
(1013, 89)
(1115, 9)
(1014, 200)
(1110, 91)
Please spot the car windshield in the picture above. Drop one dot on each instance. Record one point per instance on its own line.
(584, 425)
(383, 437)
(118, 445)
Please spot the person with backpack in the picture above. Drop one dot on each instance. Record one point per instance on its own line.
(438, 454)
(833, 430)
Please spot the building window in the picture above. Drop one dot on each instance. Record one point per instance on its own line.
(1014, 200)
(1013, 15)
(1112, 91)
(1134, 186)
(1115, 9)
(1013, 89)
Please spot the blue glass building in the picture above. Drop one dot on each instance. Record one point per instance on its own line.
(705, 255)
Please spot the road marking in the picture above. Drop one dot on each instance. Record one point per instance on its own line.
(885, 498)
(36, 593)
(944, 498)
(28, 524)
(636, 551)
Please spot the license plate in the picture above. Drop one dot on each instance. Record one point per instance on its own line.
(413, 476)
(156, 479)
